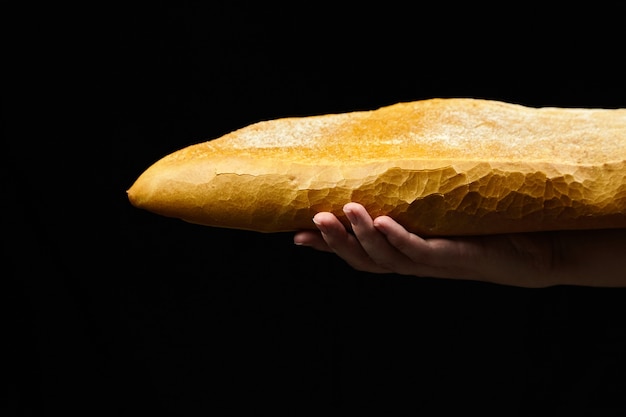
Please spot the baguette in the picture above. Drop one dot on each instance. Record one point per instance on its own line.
(439, 167)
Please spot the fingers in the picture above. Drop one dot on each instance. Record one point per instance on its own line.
(441, 258)
(416, 251)
(311, 239)
(334, 237)
(374, 243)
(345, 244)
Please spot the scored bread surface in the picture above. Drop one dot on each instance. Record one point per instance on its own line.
(439, 167)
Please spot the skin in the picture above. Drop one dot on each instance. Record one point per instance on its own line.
(532, 260)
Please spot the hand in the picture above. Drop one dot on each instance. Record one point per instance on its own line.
(381, 245)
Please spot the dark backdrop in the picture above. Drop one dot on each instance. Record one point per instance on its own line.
(116, 311)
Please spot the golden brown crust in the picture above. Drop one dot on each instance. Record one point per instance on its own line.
(439, 167)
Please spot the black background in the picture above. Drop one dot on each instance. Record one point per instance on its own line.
(116, 311)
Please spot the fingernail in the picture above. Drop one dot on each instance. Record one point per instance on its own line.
(322, 228)
(379, 226)
(351, 217)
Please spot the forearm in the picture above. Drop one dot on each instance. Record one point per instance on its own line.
(592, 258)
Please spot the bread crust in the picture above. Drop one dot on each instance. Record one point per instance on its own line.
(442, 167)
